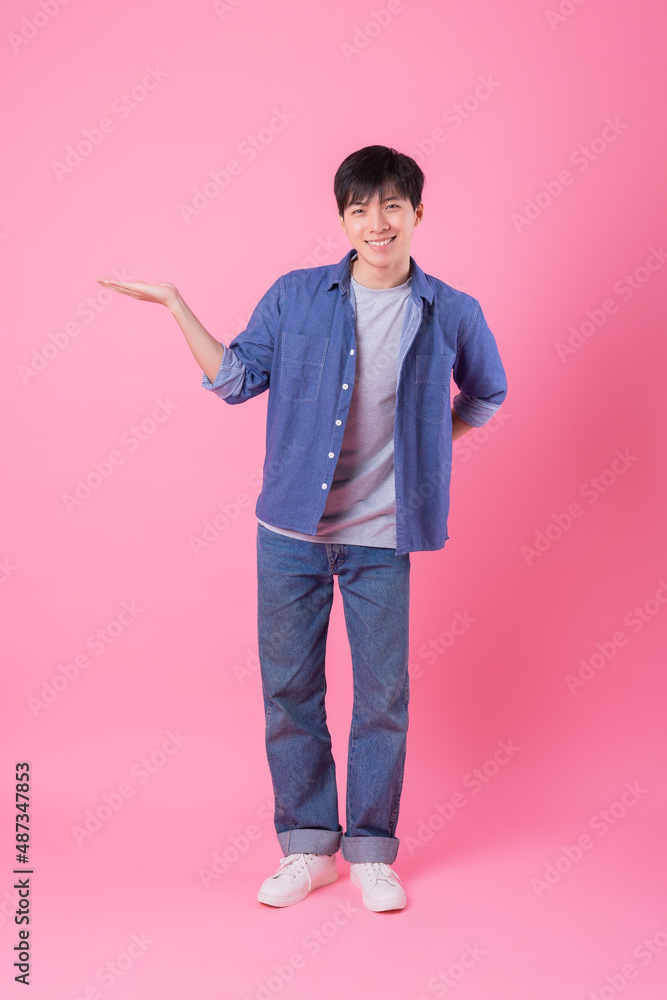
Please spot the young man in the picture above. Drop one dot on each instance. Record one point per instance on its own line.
(358, 358)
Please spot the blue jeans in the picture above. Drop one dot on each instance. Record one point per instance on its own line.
(295, 594)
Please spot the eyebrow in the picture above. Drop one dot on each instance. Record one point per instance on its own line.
(392, 197)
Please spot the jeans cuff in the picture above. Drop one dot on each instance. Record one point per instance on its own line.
(310, 841)
(359, 849)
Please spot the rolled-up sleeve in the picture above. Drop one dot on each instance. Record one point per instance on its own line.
(231, 375)
(478, 372)
(245, 370)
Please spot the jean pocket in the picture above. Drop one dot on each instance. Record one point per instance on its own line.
(302, 366)
(432, 381)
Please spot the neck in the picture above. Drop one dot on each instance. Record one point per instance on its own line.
(371, 277)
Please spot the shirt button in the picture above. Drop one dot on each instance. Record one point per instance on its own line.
(352, 352)
(338, 423)
(345, 385)
(324, 486)
(331, 454)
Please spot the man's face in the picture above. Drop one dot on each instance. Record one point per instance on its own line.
(369, 225)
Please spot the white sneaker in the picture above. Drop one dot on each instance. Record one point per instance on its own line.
(380, 885)
(296, 876)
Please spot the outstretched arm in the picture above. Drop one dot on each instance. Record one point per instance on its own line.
(207, 351)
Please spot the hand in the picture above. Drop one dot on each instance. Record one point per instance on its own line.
(459, 427)
(163, 292)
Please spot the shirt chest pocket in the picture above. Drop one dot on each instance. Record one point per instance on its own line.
(432, 380)
(301, 366)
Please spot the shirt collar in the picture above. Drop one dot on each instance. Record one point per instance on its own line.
(340, 274)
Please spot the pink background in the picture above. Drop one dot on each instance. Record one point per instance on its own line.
(349, 74)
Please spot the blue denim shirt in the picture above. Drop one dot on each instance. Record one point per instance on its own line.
(300, 343)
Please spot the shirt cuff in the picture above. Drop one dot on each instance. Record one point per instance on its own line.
(230, 377)
(472, 410)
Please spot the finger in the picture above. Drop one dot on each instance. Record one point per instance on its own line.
(118, 284)
(126, 290)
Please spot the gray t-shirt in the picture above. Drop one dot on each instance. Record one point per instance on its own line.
(361, 505)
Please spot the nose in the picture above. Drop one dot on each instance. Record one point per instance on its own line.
(376, 223)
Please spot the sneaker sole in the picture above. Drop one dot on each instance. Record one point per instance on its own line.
(273, 901)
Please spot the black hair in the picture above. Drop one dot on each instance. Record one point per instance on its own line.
(371, 170)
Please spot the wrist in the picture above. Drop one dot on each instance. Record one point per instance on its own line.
(175, 302)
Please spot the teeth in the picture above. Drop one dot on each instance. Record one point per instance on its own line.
(380, 243)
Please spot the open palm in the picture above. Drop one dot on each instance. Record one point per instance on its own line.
(163, 292)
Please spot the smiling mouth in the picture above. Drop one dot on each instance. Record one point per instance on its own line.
(380, 243)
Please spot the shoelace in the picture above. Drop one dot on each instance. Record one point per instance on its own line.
(292, 865)
(382, 871)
